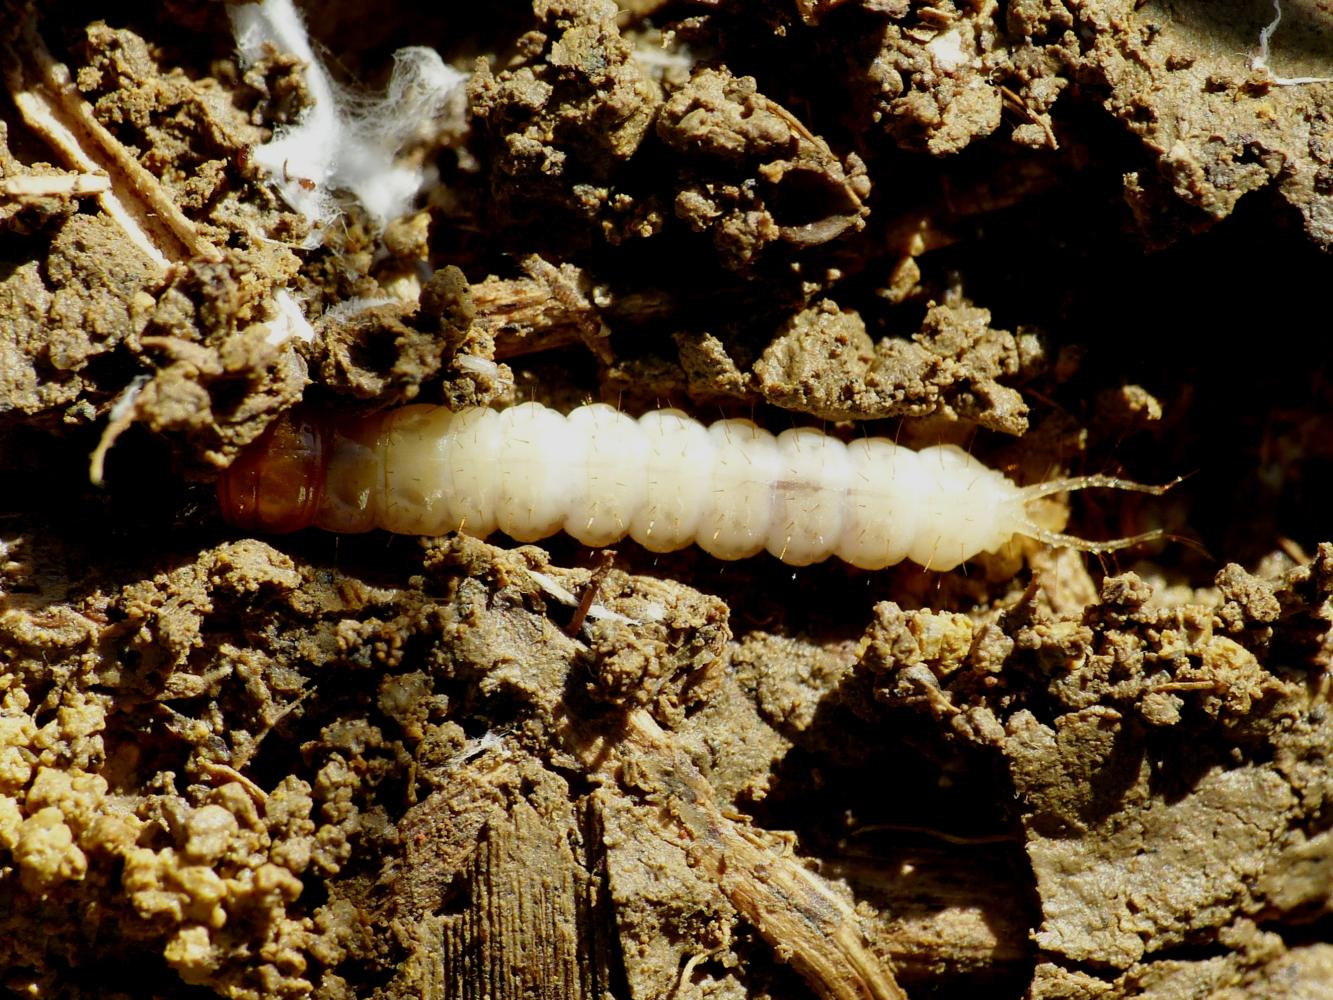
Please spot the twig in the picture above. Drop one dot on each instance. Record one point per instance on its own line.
(607, 557)
(53, 185)
(119, 420)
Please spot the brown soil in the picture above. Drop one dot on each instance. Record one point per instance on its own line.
(1090, 235)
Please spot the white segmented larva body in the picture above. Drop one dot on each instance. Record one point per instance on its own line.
(664, 480)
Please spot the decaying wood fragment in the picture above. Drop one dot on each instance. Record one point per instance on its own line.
(942, 911)
(813, 150)
(496, 899)
(546, 309)
(807, 923)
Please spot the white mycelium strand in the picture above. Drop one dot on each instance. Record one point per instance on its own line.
(343, 140)
(668, 481)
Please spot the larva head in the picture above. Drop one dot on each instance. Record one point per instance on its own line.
(274, 485)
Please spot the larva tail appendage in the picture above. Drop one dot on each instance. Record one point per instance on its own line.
(1070, 484)
(1059, 540)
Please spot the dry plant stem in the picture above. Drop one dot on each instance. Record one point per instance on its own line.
(122, 415)
(605, 560)
(224, 773)
(53, 185)
(819, 232)
(1016, 103)
(540, 312)
(808, 924)
(51, 106)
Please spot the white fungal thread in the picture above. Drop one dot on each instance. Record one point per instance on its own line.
(344, 141)
(665, 480)
(1259, 61)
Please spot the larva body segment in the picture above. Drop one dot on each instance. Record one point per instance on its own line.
(536, 464)
(352, 481)
(612, 484)
(678, 466)
(664, 480)
(882, 512)
(963, 508)
(809, 497)
(738, 507)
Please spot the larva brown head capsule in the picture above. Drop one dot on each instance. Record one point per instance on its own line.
(274, 485)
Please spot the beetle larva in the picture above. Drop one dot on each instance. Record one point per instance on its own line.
(665, 480)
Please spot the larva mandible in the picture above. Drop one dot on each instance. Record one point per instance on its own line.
(665, 480)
